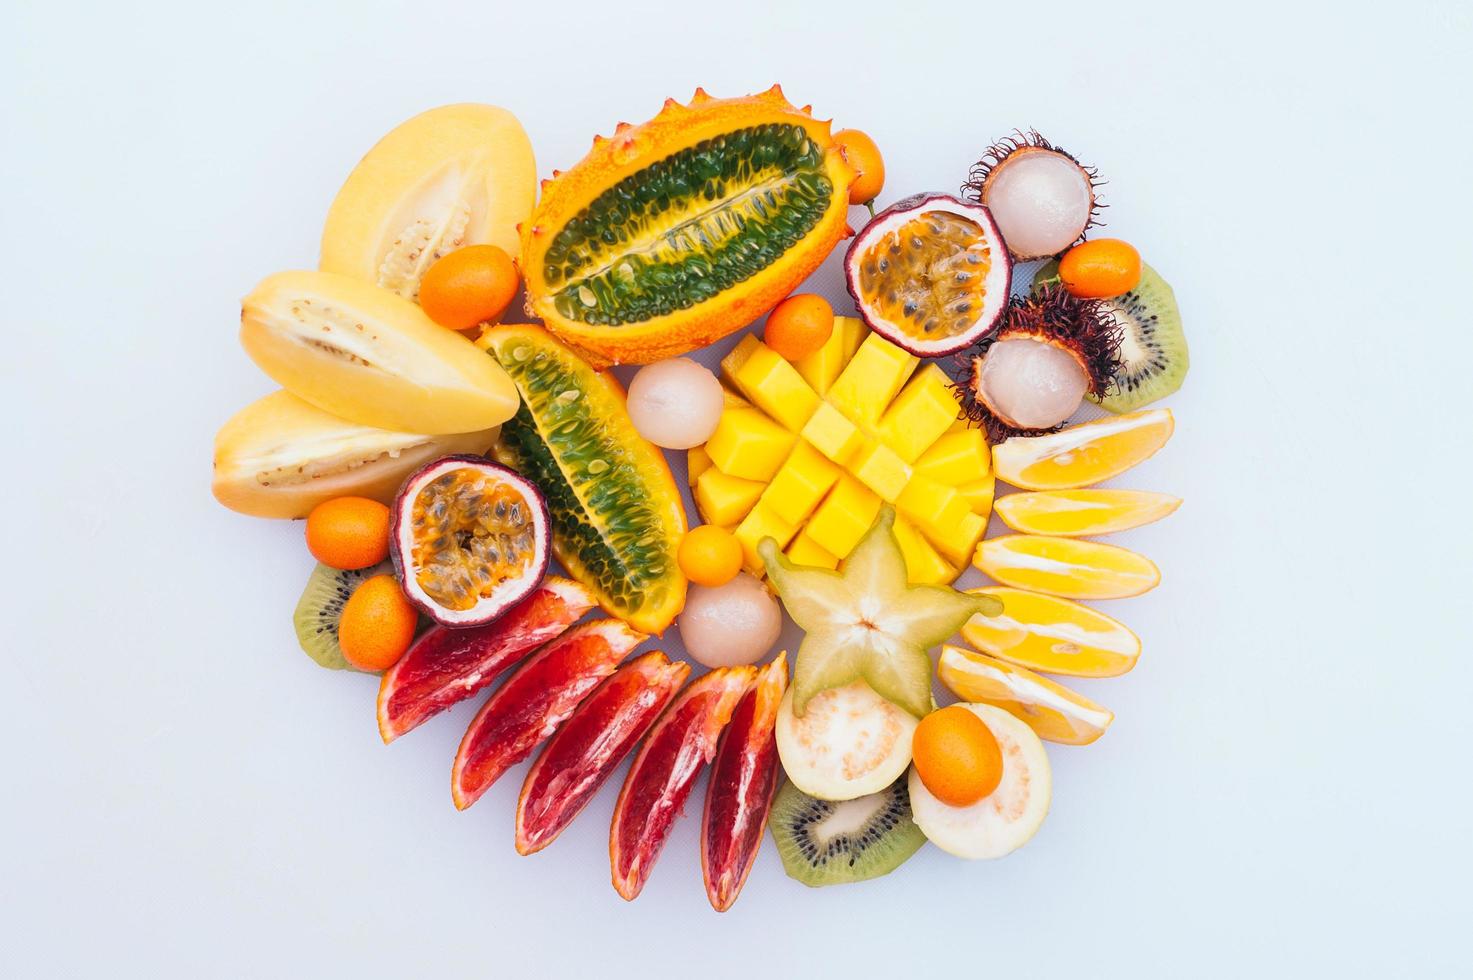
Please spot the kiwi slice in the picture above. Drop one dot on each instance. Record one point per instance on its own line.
(1153, 350)
(320, 607)
(827, 843)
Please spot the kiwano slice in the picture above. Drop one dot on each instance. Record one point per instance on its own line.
(744, 778)
(534, 701)
(662, 774)
(671, 234)
(446, 666)
(617, 515)
(583, 753)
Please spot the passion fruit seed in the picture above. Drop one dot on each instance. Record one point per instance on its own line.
(931, 271)
(688, 227)
(471, 533)
(1030, 383)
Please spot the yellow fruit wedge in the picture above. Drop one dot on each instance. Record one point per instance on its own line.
(1053, 635)
(1082, 454)
(1054, 712)
(1066, 567)
(1083, 513)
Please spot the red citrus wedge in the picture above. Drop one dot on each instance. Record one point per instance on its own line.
(446, 666)
(662, 774)
(744, 778)
(586, 750)
(534, 701)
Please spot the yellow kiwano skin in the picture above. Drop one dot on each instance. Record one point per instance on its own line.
(1083, 513)
(1055, 713)
(454, 176)
(1053, 635)
(830, 439)
(674, 233)
(1066, 567)
(1082, 454)
(280, 457)
(369, 356)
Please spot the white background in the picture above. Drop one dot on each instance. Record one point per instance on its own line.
(1285, 791)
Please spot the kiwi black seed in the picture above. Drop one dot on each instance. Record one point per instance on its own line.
(321, 606)
(827, 843)
(1153, 348)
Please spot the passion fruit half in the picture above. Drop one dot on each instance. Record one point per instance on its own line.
(469, 540)
(930, 274)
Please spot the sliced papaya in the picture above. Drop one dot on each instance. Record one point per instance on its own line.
(672, 234)
(362, 353)
(454, 176)
(617, 515)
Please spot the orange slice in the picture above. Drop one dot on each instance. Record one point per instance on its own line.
(1079, 513)
(1082, 454)
(1066, 567)
(1054, 712)
(1053, 635)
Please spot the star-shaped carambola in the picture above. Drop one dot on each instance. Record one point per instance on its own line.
(866, 621)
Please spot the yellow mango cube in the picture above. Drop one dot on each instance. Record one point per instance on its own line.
(724, 499)
(921, 413)
(761, 523)
(957, 458)
(821, 367)
(979, 495)
(749, 445)
(832, 434)
(843, 517)
(772, 384)
(697, 461)
(871, 380)
(933, 507)
(923, 565)
(800, 484)
(877, 467)
(805, 551)
(959, 542)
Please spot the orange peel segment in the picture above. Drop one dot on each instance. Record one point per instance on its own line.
(1055, 713)
(1053, 635)
(1066, 567)
(1082, 455)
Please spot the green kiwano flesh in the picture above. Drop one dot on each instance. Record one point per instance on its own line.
(617, 516)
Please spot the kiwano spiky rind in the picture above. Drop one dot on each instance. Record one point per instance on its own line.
(672, 234)
(617, 515)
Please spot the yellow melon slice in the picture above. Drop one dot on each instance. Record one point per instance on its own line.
(1066, 567)
(1083, 513)
(1082, 454)
(1053, 635)
(1054, 712)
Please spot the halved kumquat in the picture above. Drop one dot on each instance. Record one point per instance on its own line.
(1083, 513)
(1054, 712)
(1082, 455)
(1066, 567)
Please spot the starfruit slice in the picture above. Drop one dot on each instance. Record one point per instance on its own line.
(744, 777)
(1053, 635)
(866, 622)
(1066, 567)
(1083, 513)
(1054, 712)
(663, 773)
(1082, 454)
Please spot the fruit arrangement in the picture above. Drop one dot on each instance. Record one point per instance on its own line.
(489, 511)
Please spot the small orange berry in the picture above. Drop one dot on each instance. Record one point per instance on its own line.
(469, 286)
(348, 532)
(1100, 268)
(864, 156)
(957, 756)
(377, 624)
(799, 325)
(710, 555)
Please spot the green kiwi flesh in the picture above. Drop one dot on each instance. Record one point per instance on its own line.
(826, 843)
(1153, 351)
(321, 605)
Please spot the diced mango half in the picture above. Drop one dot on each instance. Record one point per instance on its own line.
(957, 458)
(919, 416)
(805, 551)
(761, 523)
(799, 484)
(1066, 567)
(871, 379)
(1053, 635)
(697, 461)
(1082, 454)
(878, 467)
(832, 434)
(822, 367)
(749, 445)
(931, 506)
(843, 517)
(979, 495)
(1054, 712)
(770, 382)
(923, 566)
(724, 499)
(1083, 513)
(963, 539)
